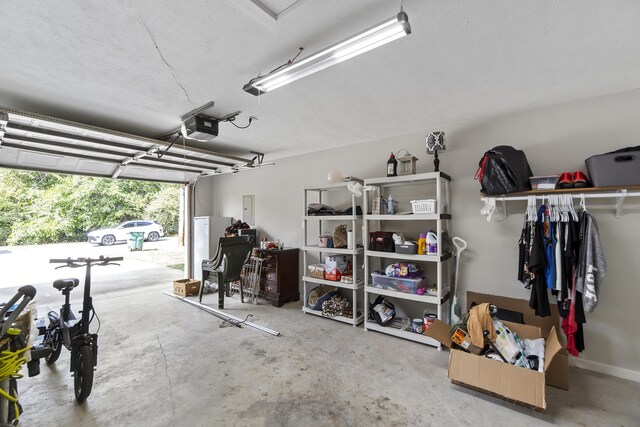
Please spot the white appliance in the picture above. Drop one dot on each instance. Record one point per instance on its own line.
(207, 231)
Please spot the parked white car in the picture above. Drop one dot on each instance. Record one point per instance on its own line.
(108, 236)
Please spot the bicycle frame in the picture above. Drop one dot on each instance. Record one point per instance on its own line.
(79, 330)
(66, 330)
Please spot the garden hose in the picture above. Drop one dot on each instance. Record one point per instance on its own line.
(10, 364)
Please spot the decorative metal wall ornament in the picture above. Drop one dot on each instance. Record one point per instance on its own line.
(435, 143)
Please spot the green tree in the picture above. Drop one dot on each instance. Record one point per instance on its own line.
(37, 207)
(165, 207)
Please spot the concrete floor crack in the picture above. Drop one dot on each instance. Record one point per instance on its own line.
(155, 44)
(166, 372)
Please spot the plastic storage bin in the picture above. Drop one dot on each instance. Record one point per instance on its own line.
(407, 286)
(407, 248)
(427, 206)
(547, 182)
(614, 169)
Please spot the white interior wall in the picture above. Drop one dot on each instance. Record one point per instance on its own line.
(555, 139)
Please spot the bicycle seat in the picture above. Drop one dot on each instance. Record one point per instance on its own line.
(62, 284)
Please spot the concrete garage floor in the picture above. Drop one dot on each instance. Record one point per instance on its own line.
(163, 362)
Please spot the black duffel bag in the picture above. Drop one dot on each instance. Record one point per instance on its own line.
(503, 169)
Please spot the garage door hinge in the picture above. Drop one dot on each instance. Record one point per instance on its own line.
(4, 119)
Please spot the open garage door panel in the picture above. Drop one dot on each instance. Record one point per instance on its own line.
(35, 142)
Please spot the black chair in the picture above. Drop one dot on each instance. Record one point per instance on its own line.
(232, 254)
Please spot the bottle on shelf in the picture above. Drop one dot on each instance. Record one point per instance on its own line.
(422, 244)
(432, 242)
(392, 166)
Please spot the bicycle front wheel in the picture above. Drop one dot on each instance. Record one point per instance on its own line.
(83, 378)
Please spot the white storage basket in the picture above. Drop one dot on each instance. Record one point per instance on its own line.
(427, 206)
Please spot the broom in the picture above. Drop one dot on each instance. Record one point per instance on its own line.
(456, 312)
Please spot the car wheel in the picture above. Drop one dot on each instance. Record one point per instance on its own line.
(153, 236)
(108, 240)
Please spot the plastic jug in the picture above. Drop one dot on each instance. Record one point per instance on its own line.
(432, 242)
(422, 244)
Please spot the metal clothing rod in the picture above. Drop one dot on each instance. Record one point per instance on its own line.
(224, 316)
(573, 195)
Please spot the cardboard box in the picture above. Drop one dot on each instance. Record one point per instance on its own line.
(336, 266)
(513, 383)
(558, 372)
(186, 287)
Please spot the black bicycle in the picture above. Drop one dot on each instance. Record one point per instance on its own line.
(65, 329)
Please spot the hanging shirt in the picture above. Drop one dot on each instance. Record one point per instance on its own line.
(549, 242)
(591, 264)
(557, 251)
(570, 245)
(539, 300)
(524, 246)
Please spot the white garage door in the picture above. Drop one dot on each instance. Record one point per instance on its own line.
(36, 142)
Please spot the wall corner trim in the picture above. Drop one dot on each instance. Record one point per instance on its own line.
(602, 368)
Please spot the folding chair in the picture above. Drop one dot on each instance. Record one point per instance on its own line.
(251, 272)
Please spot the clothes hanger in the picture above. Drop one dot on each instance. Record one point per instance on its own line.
(572, 209)
(583, 204)
(565, 207)
(564, 215)
(553, 209)
(528, 214)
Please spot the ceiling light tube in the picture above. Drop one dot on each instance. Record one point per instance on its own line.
(380, 34)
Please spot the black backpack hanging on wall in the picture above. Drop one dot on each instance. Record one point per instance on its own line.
(503, 169)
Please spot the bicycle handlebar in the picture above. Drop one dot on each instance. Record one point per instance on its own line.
(79, 262)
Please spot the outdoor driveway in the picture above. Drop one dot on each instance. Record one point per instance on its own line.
(29, 265)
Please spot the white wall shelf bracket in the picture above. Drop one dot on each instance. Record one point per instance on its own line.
(620, 201)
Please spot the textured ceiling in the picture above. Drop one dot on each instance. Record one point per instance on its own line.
(137, 65)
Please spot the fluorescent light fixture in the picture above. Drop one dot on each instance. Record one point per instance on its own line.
(380, 34)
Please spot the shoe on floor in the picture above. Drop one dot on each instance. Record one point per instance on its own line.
(580, 180)
(565, 181)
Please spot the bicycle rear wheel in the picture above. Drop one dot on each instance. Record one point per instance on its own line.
(54, 340)
(83, 378)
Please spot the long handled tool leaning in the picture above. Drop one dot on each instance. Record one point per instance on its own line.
(233, 320)
(456, 312)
